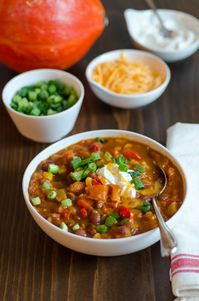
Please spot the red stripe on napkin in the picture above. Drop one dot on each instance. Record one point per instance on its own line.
(182, 263)
(184, 271)
(185, 255)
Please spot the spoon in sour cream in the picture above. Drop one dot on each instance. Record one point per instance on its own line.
(166, 33)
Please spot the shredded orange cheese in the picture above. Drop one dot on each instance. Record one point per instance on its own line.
(126, 77)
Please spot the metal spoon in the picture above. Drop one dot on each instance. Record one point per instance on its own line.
(167, 33)
(168, 241)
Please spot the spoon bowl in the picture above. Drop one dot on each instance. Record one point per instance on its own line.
(167, 239)
(167, 33)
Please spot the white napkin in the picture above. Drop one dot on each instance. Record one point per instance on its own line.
(183, 142)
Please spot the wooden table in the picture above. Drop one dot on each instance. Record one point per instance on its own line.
(32, 266)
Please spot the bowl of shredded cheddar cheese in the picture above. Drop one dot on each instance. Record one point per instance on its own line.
(128, 78)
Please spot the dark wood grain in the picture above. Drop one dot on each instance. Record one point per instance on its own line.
(35, 268)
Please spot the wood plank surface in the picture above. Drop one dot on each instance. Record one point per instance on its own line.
(35, 268)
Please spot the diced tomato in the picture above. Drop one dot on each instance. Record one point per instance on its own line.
(83, 213)
(124, 212)
(83, 203)
(66, 213)
(96, 181)
(96, 146)
(129, 154)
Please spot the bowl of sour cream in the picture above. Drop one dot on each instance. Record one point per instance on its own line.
(144, 30)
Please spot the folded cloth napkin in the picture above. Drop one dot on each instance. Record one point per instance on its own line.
(183, 142)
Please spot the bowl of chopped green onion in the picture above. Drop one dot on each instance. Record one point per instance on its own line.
(44, 104)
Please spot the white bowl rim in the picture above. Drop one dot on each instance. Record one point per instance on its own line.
(44, 70)
(159, 50)
(105, 131)
(92, 64)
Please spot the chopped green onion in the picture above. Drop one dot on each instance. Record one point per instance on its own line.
(123, 167)
(124, 221)
(92, 166)
(145, 207)
(66, 203)
(95, 156)
(76, 162)
(85, 161)
(107, 155)
(100, 139)
(138, 183)
(44, 98)
(52, 195)
(85, 173)
(54, 169)
(115, 215)
(36, 201)
(110, 221)
(77, 175)
(121, 159)
(52, 89)
(133, 173)
(64, 227)
(101, 228)
(139, 168)
(76, 227)
(46, 185)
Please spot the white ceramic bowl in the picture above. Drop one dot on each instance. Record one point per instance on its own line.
(92, 246)
(135, 19)
(129, 101)
(43, 128)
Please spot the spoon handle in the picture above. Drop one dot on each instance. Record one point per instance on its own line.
(168, 240)
(151, 4)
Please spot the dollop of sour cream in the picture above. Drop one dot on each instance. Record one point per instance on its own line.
(110, 174)
(149, 35)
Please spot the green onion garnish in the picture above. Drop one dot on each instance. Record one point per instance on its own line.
(76, 227)
(95, 156)
(66, 203)
(145, 207)
(110, 221)
(64, 227)
(101, 228)
(138, 183)
(36, 201)
(100, 139)
(53, 168)
(76, 162)
(139, 168)
(107, 155)
(52, 195)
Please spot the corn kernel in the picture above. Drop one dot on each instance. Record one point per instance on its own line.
(88, 181)
(128, 145)
(48, 175)
(97, 235)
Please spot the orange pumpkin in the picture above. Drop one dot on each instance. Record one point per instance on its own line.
(48, 33)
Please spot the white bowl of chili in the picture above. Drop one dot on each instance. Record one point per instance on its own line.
(127, 78)
(66, 214)
(29, 90)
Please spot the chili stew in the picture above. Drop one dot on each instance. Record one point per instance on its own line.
(102, 188)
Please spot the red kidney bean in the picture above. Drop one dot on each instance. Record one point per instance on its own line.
(95, 218)
(81, 232)
(120, 231)
(91, 230)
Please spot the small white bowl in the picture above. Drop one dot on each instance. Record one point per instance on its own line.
(135, 19)
(92, 246)
(129, 101)
(43, 128)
